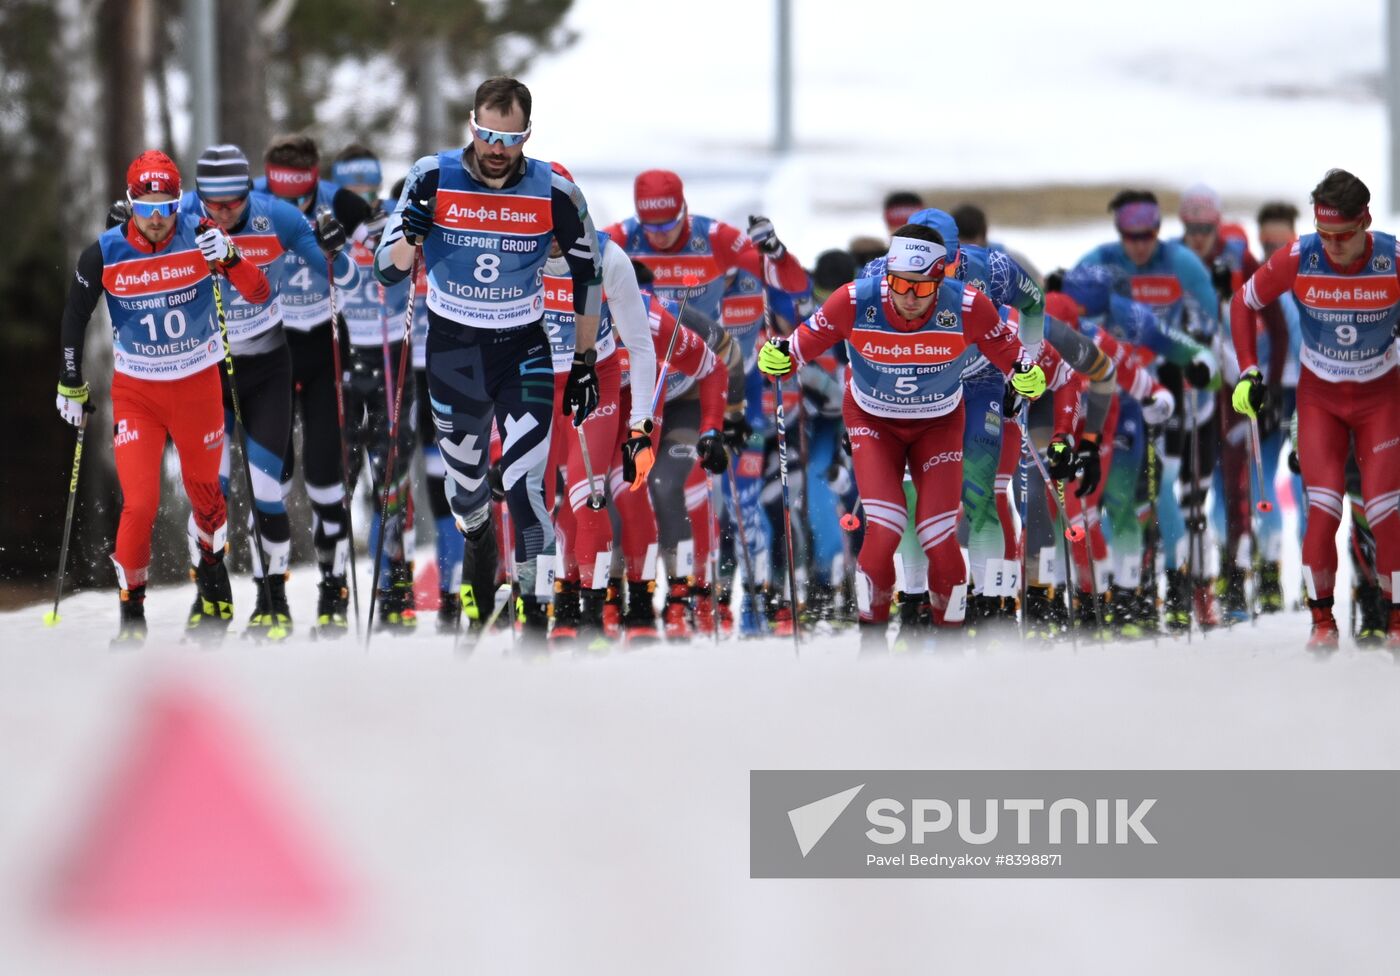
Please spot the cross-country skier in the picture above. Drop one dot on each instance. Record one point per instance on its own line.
(485, 216)
(156, 271)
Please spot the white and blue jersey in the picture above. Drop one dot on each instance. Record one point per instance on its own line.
(161, 305)
(304, 291)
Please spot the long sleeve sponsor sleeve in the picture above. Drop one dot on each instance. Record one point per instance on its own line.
(84, 292)
(629, 315)
(828, 325)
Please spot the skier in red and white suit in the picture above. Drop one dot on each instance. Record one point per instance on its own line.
(910, 333)
(1347, 286)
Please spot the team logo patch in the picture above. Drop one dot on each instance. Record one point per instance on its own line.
(946, 318)
(1312, 261)
(697, 243)
(870, 313)
(260, 223)
(1382, 263)
(979, 284)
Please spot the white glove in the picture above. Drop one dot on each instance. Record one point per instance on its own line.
(215, 245)
(1158, 408)
(73, 403)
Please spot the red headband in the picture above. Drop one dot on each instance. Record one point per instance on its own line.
(1323, 213)
(290, 181)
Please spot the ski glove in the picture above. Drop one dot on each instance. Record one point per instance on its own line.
(765, 238)
(737, 430)
(1087, 469)
(118, 213)
(1059, 458)
(1028, 379)
(216, 246)
(637, 456)
(73, 402)
(417, 218)
(1201, 372)
(774, 360)
(373, 229)
(329, 233)
(710, 450)
(581, 388)
(1158, 408)
(1251, 396)
(496, 480)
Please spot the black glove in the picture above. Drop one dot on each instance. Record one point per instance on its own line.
(497, 481)
(330, 235)
(1270, 417)
(374, 226)
(118, 213)
(1197, 374)
(1055, 281)
(765, 238)
(846, 442)
(417, 218)
(1223, 279)
(737, 431)
(1011, 402)
(710, 450)
(1293, 464)
(581, 388)
(1059, 458)
(1087, 470)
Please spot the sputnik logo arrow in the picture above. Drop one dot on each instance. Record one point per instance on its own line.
(811, 821)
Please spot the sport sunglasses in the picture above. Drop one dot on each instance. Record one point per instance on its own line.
(903, 286)
(146, 211)
(223, 206)
(496, 137)
(665, 228)
(1340, 236)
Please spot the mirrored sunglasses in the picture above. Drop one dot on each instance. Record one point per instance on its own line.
(146, 211)
(903, 286)
(496, 137)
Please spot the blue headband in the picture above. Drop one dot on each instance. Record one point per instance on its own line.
(353, 172)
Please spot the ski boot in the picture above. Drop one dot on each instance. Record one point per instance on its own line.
(704, 597)
(915, 622)
(332, 605)
(1235, 604)
(214, 604)
(449, 615)
(1177, 605)
(1324, 637)
(1040, 613)
(1373, 612)
(779, 614)
(590, 625)
(612, 609)
(1121, 610)
(479, 580)
(675, 613)
(639, 622)
(131, 632)
(533, 615)
(566, 613)
(1270, 588)
(272, 617)
(396, 604)
(983, 612)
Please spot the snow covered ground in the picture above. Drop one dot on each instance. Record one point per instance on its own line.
(587, 813)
